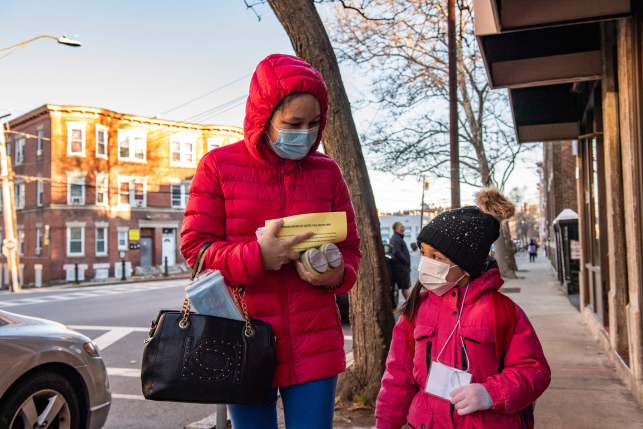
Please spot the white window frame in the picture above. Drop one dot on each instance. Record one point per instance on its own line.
(133, 181)
(82, 126)
(185, 192)
(132, 135)
(125, 232)
(21, 242)
(105, 232)
(183, 141)
(39, 193)
(215, 142)
(102, 186)
(19, 189)
(41, 135)
(38, 241)
(20, 150)
(76, 178)
(103, 129)
(82, 241)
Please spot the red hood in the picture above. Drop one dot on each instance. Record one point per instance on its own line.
(276, 77)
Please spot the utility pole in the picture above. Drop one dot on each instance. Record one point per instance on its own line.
(425, 187)
(9, 212)
(453, 107)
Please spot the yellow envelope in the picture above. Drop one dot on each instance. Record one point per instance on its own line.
(328, 228)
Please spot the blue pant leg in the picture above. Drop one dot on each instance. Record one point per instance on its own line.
(310, 405)
(255, 416)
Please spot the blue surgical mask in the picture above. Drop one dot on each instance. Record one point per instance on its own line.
(294, 144)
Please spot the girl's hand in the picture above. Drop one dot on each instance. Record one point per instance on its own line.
(471, 398)
(330, 278)
(275, 252)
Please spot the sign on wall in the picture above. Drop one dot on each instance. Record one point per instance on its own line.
(134, 234)
(574, 249)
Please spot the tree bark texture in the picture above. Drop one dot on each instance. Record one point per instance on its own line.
(371, 313)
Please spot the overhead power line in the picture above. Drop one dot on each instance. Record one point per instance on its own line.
(206, 94)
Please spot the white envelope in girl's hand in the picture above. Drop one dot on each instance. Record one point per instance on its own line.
(443, 379)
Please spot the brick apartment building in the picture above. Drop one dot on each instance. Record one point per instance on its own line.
(113, 187)
(558, 187)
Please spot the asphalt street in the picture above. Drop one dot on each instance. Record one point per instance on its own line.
(117, 319)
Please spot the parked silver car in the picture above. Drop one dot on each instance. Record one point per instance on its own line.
(50, 376)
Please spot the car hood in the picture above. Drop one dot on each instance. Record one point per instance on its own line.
(12, 324)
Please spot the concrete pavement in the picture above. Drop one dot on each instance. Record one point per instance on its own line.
(585, 391)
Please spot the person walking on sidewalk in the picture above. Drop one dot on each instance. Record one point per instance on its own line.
(401, 260)
(446, 334)
(276, 171)
(532, 249)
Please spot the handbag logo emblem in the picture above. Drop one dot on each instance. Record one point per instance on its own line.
(212, 360)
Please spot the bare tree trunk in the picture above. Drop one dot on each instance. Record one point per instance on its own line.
(505, 253)
(370, 303)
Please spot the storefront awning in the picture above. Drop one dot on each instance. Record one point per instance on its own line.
(496, 16)
(546, 113)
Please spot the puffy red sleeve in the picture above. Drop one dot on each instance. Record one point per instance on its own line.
(526, 374)
(204, 221)
(398, 384)
(350, 246)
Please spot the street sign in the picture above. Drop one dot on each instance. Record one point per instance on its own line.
(8, 244)
(122, 255)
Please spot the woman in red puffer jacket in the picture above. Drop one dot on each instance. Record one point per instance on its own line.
(276, 172)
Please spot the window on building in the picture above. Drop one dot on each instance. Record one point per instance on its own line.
(122, 240)
(41, 134)
(20, 195)
(21, 241)
(75, 241)
(215, 143)
(8, 145)
(182, 151)
(132, 145)
(101, 189)
(132, 191)
(76, 189)
(76, 138)
(20, 151)
(180, 195)
(38, 241)
(101, 142)
(1, 200)
(39, 193)
(101, 241)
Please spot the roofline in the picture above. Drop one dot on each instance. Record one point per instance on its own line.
(54, 108)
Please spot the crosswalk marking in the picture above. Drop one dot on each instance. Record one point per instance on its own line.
(123, 396)
(110, 337)
(87, 292)
(123, 372)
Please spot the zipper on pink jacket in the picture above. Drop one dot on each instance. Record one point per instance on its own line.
(282, 193)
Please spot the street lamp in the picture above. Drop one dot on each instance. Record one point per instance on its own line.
(63, 40)
(9, 247)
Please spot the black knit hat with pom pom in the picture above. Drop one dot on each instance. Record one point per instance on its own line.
(465, 235)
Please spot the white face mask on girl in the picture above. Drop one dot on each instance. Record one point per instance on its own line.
(433, 276)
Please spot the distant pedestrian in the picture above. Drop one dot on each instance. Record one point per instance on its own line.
(532, 249)
(401, 260)
(446, 333)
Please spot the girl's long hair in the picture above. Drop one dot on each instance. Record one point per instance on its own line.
(409, 309)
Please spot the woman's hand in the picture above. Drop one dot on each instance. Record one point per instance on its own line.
(276, 252)
(330, 278)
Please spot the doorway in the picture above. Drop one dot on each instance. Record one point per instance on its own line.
(146, 251)
(169, 246)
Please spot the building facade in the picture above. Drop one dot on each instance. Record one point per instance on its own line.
(94, 188)
(574, 70)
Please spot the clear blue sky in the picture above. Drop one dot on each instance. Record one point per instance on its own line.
(146, 57)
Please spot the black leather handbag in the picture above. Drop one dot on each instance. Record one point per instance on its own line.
(191, 357)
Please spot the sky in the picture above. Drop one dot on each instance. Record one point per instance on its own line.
(149, 57)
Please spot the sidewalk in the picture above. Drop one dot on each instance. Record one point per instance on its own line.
(585, 391)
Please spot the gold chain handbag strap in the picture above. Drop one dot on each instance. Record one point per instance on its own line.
(240, 296)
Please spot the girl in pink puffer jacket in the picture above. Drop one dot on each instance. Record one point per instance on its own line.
(451, 318)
